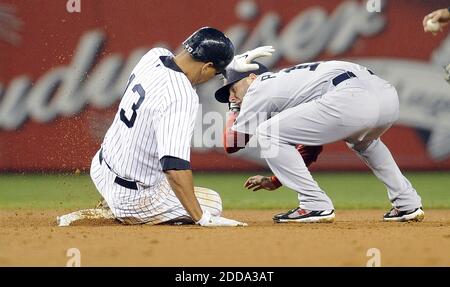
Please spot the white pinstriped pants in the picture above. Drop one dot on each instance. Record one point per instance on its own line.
(150, 205)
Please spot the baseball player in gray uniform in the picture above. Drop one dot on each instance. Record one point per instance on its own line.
(313, 104)
(143, 169)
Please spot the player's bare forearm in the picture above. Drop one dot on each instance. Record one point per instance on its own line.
(182, 184)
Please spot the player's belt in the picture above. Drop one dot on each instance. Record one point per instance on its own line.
(342, 77)
(120, 181)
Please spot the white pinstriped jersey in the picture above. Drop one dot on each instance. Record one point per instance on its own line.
(155, 118)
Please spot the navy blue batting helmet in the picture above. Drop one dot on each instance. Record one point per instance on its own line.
(210, 45)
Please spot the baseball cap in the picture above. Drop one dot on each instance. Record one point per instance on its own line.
(233, 76)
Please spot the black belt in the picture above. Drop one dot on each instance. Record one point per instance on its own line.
(342, 77)
(120, 181)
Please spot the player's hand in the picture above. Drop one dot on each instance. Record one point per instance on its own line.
(258, 182)
(234, 107)
(241, 63)
(441, 16)
(447, 73)
(208, 220)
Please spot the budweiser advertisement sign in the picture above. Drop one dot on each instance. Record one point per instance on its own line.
(64, 66)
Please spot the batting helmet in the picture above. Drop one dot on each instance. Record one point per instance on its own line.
(210, 45)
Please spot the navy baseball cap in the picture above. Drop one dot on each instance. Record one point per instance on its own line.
(232, 76)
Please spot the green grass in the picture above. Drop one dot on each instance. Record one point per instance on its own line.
(347, 190)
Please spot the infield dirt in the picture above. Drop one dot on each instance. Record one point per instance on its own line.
(31, 238)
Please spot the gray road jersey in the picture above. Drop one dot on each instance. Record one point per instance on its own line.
(272, 93)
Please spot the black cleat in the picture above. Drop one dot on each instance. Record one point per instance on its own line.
(305, 216)
(394, 214)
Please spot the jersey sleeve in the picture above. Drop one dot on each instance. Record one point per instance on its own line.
(255, 109)
(232, 140)
(176, 126)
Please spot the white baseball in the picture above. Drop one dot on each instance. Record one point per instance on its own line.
(433, 26)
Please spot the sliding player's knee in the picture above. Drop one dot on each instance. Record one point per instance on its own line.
(209, 200)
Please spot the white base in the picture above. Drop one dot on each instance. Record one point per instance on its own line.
(96, 213)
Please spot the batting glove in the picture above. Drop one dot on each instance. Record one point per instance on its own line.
(242, 62)
(208, 220)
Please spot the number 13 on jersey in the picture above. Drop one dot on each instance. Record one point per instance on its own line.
(141, 92)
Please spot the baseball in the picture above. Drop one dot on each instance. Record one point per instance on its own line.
(433, 26)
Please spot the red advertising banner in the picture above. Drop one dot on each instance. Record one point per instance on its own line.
(65, 63)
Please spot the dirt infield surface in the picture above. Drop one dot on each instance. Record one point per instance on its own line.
(30, 238)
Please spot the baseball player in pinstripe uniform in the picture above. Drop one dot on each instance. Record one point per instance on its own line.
(143, 168)
(313, 104)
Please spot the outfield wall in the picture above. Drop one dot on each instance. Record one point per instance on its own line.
(62, 74)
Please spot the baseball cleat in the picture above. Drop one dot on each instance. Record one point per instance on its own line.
(300, 215)
(394, 214)
(182, 220)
